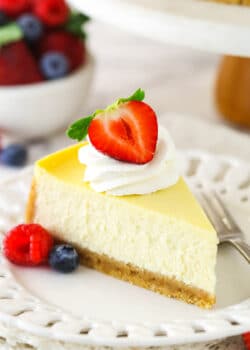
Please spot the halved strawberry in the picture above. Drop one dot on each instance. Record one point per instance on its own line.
(246, 338)
(126, 131)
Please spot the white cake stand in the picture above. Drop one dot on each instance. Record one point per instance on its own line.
(195, 23)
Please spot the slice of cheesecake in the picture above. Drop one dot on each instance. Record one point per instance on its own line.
(161, 241)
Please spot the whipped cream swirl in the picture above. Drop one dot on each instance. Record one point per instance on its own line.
(118, 178)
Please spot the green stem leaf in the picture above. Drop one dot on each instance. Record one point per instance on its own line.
(138, 95)
(10, 33)
(75, 24)
(79, 129)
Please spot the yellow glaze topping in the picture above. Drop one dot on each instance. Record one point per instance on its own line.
(177, 201)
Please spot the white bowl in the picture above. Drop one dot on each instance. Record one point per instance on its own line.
(37, 110)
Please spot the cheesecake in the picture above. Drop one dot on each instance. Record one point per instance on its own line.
(134, 220)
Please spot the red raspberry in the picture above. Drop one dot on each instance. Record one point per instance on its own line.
(52, 12)
(27, 245)
(246, 338)
(17, 65)
(14, 8)
(70, 45)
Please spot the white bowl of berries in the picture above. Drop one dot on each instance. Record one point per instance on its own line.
(45, 68)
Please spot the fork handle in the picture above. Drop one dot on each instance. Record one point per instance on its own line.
(242, 247)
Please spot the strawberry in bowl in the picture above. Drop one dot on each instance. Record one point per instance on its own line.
(45, 67)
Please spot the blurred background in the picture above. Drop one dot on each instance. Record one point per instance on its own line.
(97, 63)
(175, 79)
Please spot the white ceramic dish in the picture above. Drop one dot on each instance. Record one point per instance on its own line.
(38, 110)
(89, 308)
(196, 23)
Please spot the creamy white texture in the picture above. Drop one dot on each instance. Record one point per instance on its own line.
(125, 232)
(106, 174)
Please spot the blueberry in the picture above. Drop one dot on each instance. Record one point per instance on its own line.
(31, 27)
(3, 19)
(54, 65)
(64, 258)
(14, 155)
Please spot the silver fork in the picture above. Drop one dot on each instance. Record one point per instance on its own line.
(225, 225)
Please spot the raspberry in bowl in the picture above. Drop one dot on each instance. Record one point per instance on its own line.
(45, 68)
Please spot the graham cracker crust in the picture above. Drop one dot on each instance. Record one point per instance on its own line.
(30, 206)
(163, 285)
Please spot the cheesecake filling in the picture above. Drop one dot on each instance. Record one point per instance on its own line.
(114, 177)
(151, 241)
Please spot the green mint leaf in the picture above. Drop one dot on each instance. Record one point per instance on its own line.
(79, 129)
(138, 95)
(75, 24)
(10, 33)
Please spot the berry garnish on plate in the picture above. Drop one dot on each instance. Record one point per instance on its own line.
(52, 12)
(126, 130)
(246, 338)
(31, 27)
(27, 245)
(64, 258)
(54, 65)
(14, 155)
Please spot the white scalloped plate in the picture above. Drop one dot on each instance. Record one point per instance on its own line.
(90, 308)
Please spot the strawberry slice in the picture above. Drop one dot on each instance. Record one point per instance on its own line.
(126, 130)
(246, 338)
(129, 133)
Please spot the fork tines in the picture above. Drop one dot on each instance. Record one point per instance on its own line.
(218, 214)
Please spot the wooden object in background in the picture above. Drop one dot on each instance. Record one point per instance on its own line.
(232, 92)
(234, 2)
